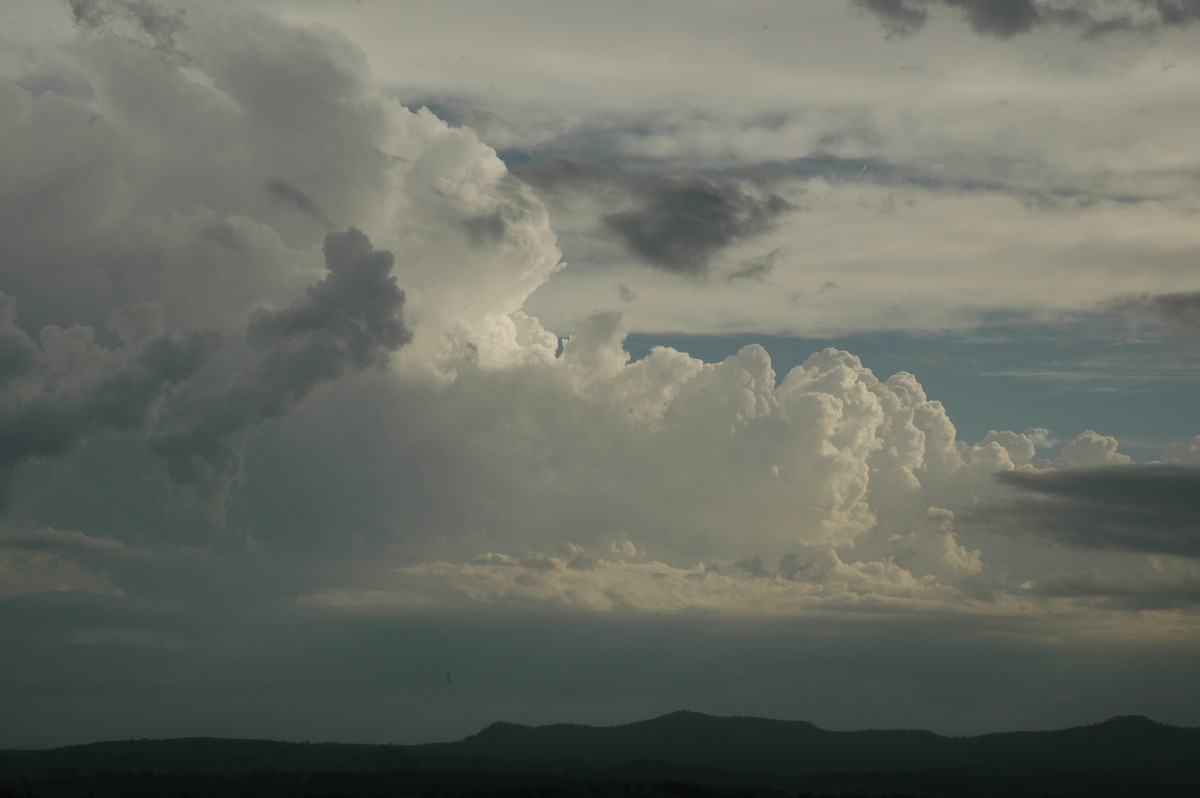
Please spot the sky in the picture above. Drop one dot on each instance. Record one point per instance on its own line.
(373, 371)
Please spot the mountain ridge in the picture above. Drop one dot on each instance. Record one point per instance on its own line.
(1123, 745)
(1128, 745)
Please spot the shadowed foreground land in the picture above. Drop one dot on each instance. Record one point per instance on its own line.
(682, 754)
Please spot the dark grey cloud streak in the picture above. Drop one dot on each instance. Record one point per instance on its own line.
(1004, 19)
(1151, 507)
(679, 224)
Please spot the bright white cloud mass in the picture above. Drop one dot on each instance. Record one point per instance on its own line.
(830, 361)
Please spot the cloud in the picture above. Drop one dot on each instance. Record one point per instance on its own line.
(678, 224)
(1146, 507)
(1183, 453)
(290, 195)
(683, 223)
(1180, 312)
(148, 18)
(1156, 590)
(66, 540)
(64, 387)
(899, 18)
(1090, 449)
(411, 438)
(47, 559)
(349, 320)
(181, 184)
(1005, 19)
(582, 582)
(757, 268)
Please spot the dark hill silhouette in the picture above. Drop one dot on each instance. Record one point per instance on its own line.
(1129, 746)
(1121, 756)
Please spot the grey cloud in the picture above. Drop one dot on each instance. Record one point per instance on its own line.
(1122, 591)
(161, 26)
(1005, 19)
(684, 222)
(900, 17)
(294, 197)
(90, 13)
(67, 540)
(1150, 507)
(753, 566)
(757, 268)
(679, 223)
(558, 173)
(349, 320)
(1180, 311)
(1177, 12)
(55, 395)
(483, 230)
(1001, 18)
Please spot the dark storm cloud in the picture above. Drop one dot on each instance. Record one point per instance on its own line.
(679, 223)
(58, 391)
(1180, 312)
(1004, 19)
(349, 320)
(290, 195)
(1150, 507)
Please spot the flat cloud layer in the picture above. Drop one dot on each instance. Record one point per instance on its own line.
(276, 386)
